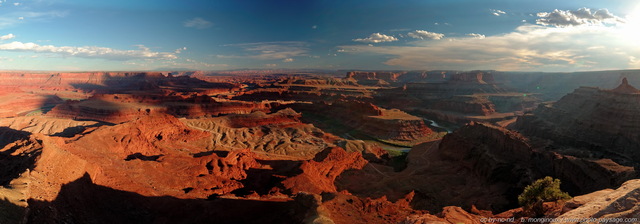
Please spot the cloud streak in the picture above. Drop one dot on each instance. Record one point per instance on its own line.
(376, 38)
(198, 23)
(88, 51)
(476, 35)
(17, 17)
(282, 50)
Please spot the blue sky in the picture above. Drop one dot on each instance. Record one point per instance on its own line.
(507, 35)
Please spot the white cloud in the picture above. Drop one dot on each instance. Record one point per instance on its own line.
(16, 3)
(7, 37)
(528, 48)
(314, 27)
(476, 35)
(582, 16)
(270, 50)
(497, 12)
(198, 23)
(287, 60)
(423, 34)
(376, 38)
(179, 50)
(88, 51)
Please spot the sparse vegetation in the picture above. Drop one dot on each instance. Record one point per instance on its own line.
(398, 160)
(543, 190)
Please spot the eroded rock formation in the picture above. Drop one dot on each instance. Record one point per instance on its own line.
(166, 147)
(499, 163)
(591, 122)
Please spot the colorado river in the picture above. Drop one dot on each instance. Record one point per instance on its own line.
(433, 123)
(386, 146)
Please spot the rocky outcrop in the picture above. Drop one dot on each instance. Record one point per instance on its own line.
(48, 125)
(18, 152)
(501, 155)
(591, 122)
(137, 162)
(310, 93)
(369, 78)
(118, 108)
(473, 77)
(613, 206)
(319, 174)
(474, 105)
(459, 98)
(21, 103)
(278, 133)
(499, 163)
(449, 214)
(316, 81)
(625, 88)
(109, 81)
(551, 86)
(369, 119)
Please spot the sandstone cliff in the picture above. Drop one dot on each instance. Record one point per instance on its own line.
(481, 165)
(591, 122)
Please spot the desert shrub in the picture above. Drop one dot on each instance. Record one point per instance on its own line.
(543, 190)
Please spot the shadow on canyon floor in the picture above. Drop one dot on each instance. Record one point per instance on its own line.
(82, 201)
(14, 163)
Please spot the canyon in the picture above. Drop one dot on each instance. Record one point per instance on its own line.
(305, 147)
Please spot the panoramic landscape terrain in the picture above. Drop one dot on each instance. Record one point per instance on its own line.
(312, 146)
(279, 111)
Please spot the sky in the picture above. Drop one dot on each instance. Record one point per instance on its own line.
(504, 35)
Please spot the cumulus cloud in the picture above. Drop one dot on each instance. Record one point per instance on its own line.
(376, 38)
(497, 12)
(287, 60)
(88, 51)
(270, 50)
(7, 37)
(582, 16)
(423, 34)
(528, 48)
(198, 23)
(476, 35)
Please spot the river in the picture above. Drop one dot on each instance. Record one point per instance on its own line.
(433, 123)
(386, 146)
